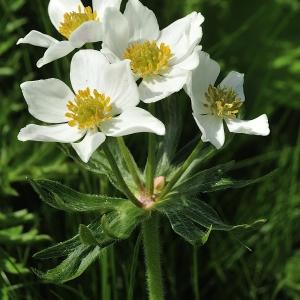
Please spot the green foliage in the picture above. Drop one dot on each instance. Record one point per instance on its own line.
(214, 179)
(9, 265)
(99, 164)
(291, 278)
(87, 236)
(73, 266)
(62, 197)
(116, 220)
(12, 229)
(260, 39)
(188, 229)
(18, 160)
(12, 235)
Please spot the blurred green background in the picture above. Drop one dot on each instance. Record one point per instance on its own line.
(258, 38)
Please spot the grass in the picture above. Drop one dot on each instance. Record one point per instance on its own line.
(259, 38)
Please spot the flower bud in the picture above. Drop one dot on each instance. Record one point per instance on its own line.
(159, 183)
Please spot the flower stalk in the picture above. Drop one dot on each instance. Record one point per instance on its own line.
(150, 167)
(150, 229)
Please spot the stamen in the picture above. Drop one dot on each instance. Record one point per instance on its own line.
(88, 110)
(73, 20)
(223, 102)
(148, 59)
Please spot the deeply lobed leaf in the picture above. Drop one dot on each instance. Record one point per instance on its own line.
(64, 198)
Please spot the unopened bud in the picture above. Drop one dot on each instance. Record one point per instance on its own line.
(159, 183)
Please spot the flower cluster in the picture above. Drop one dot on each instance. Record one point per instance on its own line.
(137, 61)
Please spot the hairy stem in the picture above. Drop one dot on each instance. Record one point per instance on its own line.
(150, 229)
(119, 176)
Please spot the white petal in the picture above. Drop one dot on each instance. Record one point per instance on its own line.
(87, 70)
(88, 145)
(90, 68)
(212, 129)
(258, 126)
(183, 36)
(192, 61)
(56, 51)
(88, 32)
(142, 22)
(235, 81)
(131, 121)
(204, 75)
(38, 39)
(116, 32)
(160, 87)
(61, 133)
(111, 57)
(47, 99)
(119, 84)
(101, 5)
(57, 9)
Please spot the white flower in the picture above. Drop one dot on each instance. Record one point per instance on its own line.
(78, 24)
(214, 104)
(162, 59)
(103, 104)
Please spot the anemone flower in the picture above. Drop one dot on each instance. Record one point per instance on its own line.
(161, 60)
(77, 24)
(103, 104)
(213, 105)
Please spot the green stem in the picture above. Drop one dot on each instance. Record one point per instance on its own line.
(150, 229)
(150, 169)
(181, 170)
(119, 176)
(130, 162)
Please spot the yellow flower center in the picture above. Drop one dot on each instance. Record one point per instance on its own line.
(73, 20)
(88, 110)
(148, 59)
(223, 102)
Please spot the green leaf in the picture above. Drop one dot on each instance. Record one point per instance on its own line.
(194, 219)
(73, 266)
(86, 236)
(82, 249)
(173, 110)
(187, 229)
(67, 247)
(203, 214)
(79, 254)
(214, 179)
(59, 250)
(98, 163)
(64, 198)
(195, 210)
(227, 183)
(119, 224)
